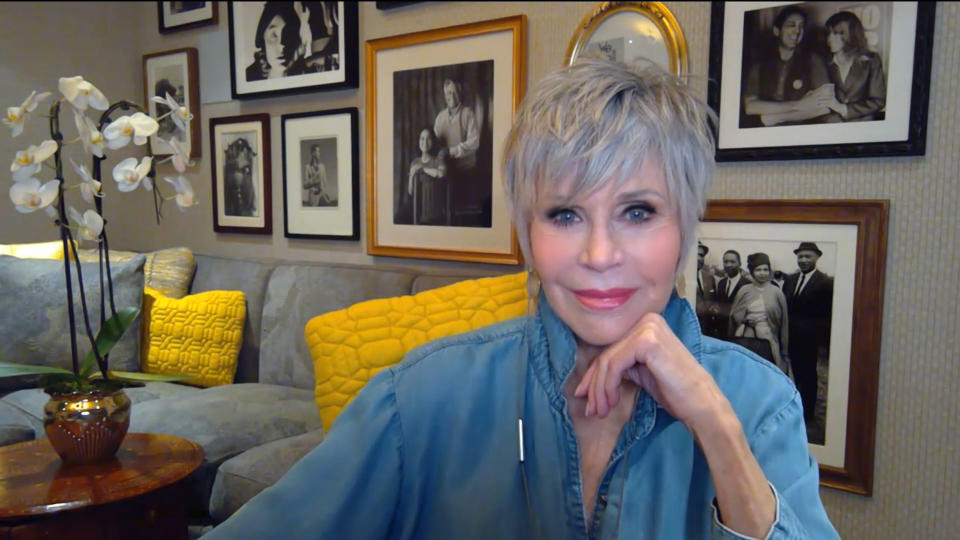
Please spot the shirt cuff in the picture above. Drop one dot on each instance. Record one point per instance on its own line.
(721, 531)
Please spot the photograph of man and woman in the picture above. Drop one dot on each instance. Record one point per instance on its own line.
(289, 39)
(443, 145)
(775, 298)
(815, 63)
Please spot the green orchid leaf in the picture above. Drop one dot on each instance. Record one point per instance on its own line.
(8, 369)
(138, 376)
(110, 333)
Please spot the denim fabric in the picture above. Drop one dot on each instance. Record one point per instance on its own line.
(429, 449)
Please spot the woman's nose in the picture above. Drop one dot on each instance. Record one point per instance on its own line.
(601, 249)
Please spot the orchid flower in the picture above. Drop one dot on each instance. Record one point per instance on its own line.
(89, 226)
(129, 175)
(29, 195)
(81, 93)
(16, 116)
(28, 162)
(89, 188)
(178, 156)
(90, 136)
(178, 113)
(185, 197)
(138, 125)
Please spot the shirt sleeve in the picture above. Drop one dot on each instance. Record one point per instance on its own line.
(358, 465)
(874, 94)
(780, 447)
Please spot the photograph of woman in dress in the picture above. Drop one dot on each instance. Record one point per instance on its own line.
(427, 184)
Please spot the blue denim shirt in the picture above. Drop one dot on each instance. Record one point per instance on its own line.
(430, 449)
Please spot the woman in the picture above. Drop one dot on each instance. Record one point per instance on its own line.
(427, 182)
(282, 41)
(760, 311)
(315, 188)
(860, 90)
(605, 413)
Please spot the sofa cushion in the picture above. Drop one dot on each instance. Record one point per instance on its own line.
(198, 335)
(219, 273)
(34, 250)
(167, 270)
(34, 326)
(12, 434)
(295, 293)
(351, 345)
(17, 423)
(242, 477)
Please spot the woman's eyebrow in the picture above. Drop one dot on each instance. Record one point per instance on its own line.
(641, 194)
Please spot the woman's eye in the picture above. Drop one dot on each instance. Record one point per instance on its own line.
(638, 213)
(563, 217)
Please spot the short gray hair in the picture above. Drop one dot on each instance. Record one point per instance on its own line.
(596, 121)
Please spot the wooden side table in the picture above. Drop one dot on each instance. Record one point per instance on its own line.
(136, 494)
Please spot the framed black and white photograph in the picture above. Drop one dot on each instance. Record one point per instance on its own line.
(436, 102)
(241, 174)
(291, 47)
(784, 279)
(321, 175)
(832, 79)
(173, 75)
(176, 16)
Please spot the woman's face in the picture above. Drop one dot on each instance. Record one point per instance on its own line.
(272, 43)
(839, 37)
(609, 258)
(425, 140)
(761, 273)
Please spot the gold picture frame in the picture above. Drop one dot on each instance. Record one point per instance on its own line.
(624, 31)
(460, 214)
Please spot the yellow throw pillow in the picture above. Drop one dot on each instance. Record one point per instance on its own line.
(166, 270)
(36, 250)
(350, 345)
(197, 335)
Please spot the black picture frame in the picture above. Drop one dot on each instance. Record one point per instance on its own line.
(337, 64)
(168, 22)
(902, 131)
(322, 217)
(251, 212)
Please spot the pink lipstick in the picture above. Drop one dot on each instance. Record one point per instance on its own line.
(603, 299)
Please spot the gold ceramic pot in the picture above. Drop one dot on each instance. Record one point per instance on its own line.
(86, 426)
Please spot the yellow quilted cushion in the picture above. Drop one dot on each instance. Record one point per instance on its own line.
(197, 335)
(166, 270)
(36, 250)
(350, 345)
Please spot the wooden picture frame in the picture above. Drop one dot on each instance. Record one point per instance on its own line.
(414, 210)
(240, 175)
(321, 174)
(881, 99)
(175, 72)
(851, 238)
(625, 31)
(330, 64)
(176, 16)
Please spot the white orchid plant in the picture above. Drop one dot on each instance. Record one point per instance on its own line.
(31, 192)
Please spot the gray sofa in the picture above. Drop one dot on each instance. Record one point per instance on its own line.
(252, 431)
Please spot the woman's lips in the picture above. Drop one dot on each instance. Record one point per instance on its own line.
(603, 300)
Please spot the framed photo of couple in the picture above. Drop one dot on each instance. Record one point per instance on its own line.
(812, 80)
(436, 102)
(801, 283)
(281, 48)
(173, 75)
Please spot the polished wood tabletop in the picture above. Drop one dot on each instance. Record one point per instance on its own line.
(34, 481)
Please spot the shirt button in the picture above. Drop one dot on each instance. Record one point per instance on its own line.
(603, 499)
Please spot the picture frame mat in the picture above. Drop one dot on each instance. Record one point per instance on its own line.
(844, 236)
(335, 221)
(159, 146)
(243, 37)
(894, 127)
(187, 17)
(458, 50)
(240, 221)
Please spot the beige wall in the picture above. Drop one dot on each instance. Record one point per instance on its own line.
(916, 471)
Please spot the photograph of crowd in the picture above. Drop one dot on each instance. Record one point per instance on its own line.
(776, 299)
(815, 63)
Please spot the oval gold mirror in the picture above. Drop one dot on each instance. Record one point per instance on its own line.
(625, 31)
